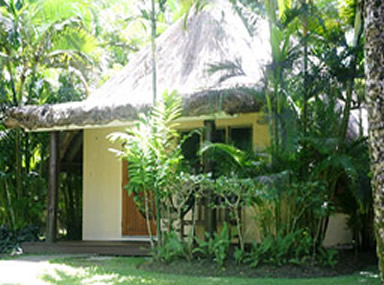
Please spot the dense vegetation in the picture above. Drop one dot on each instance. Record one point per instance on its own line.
(317, 163)
(53, 52)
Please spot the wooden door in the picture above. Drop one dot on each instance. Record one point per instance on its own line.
(134, 223)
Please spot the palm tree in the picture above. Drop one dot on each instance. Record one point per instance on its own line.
(374, 73)
(37, 37)
(42, 34)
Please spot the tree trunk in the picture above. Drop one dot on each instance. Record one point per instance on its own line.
(154, 93)
(18, 163)
(374, 72)
(209, 213)
(351, 81)
(53, 184)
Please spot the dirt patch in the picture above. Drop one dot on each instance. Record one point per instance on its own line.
(348, 263)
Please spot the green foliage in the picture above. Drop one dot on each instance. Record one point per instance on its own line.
(328, 257)
(39, 35)
(239, 255)
(151, 147)
(273, 250)
(295, 248)
(311, 169)
(45, 47)
(236, 194)
(10, 241)
(7, 240)
(32, 195)
(153, 152)
(215, 246)
(171, 249)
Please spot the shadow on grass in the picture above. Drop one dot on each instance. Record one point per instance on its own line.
(93, 276)
(93, 271)
(126, 271)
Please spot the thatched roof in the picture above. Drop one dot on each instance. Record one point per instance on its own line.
(184, 55)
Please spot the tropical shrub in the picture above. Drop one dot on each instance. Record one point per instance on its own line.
(152, 149)
(235, 194)
(10, 241)
(171, 249)
(7, 240)
(215, 246)
(295, 248)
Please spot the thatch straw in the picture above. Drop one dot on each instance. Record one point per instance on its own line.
(213, 36)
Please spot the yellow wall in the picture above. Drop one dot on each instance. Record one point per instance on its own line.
(101, 187)
(255, 120)
(102, 179)
(102, 210)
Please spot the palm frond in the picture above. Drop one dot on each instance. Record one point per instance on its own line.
(347, 10)
(235, 157)
(73, 39)
(249, 17)
(228, 68)
(49, 12)
(283, 6)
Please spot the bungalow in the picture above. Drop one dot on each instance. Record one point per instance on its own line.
(186, 58)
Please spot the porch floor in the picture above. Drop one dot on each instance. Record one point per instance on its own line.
(125, 248)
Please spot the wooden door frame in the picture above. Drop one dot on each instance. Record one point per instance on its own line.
(125, 231)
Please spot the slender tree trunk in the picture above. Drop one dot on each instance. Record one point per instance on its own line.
(154, 90)
(12, 81)
(209, 212)
(153, 45)
(148, 219)
(350, 83)
(12, 220)
(374, 73)
(53, 184)
(305, 69)
(18, 161)
(27, 153)
(270, 7)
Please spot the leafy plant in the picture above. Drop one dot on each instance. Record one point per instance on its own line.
(235, 194)
(153, 152)
(171, 249)
(215, 246)
(10, 241)
(39, 42)
(328, 257)
(7, 240)
(295, 248)
(239, 255)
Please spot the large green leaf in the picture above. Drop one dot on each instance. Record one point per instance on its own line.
(48, 12)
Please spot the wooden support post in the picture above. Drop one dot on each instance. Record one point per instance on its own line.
(209, 214)
(53, 185)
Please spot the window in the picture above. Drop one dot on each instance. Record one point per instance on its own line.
(241, 138)
(220, 136)
(190, 148)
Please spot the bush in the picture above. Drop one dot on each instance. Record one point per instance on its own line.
(10, 242)
(215, 246)
(7, 240)
(171, 249)
(295, 248)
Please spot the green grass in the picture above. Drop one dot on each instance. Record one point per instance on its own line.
(125, 271)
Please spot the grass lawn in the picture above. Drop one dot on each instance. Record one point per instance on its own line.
(105, 270)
